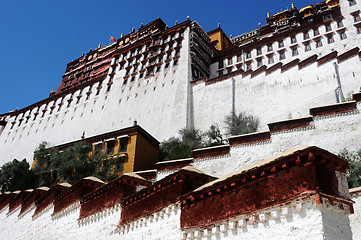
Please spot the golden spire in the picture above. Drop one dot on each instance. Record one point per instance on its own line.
(52, 90)
(100, 45)
(268, 15)
(293, 5)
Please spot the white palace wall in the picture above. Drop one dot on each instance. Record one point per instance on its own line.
(277, 96)
(157, 103)
(333, 133)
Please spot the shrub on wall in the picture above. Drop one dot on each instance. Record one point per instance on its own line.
(237, 124)
(16, 175)
(354, 175)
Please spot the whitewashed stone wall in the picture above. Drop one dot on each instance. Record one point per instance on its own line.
(355, 219)
(332, 133)
(277, 96)
(158, 104)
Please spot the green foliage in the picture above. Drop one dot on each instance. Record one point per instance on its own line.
(354, 175)
(240, 124)
(178, 148)
(73, 164)
(16, 175)
(214, 135)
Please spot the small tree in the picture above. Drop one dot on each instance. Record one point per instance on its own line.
(354, 175)
(16, 175)
(175, 148)
(214, 135)
(240, 124)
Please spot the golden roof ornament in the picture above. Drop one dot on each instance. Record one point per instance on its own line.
(293, 5)
(268, 15)
(100, 45)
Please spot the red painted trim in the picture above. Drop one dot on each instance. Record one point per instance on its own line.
(327, 58)
(249, 138)
(109, 195)
(258, 71)
(274, 68)
(357, 97)
(161, 194)
(224, 77)
(149, 175)
(75, 193)
(348, 54)
(333, 109)
(31, 198)
(311, 170)
(289, 65)
(173, 165)
(290, 124)
(211, 152)
(307, 61)
(48, 198)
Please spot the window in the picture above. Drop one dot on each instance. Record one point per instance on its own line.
(123, 143)
(239, 58)
(108, 88)
(351, 2)
(269, 48)
(248, 66)
(110, 147)
(175, 62)
(327, 17)
(306, 36)
(229, 61)
(330, 39)
(98, 148)
(259, 62)
(356, 17)
(328, 27)
(125, 81)
(316, 32)
(281, 44)
(318, 43)
(307, 47)
(343, 35)
(270, 59)
(166, 65)
(293, 39)
(358, 29)
(259, 51)
(294, 51)
(157, 69)
(282, 55)
(248, 55)
(220, 64)
(339, 24)
(141, 74)
(132, 79)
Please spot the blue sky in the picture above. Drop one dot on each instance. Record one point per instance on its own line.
(39, 37)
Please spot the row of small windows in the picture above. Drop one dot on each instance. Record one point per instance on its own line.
(329, 35)
(79, 95)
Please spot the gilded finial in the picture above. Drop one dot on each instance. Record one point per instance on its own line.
(121, 35)
(141, 25)
(259, 24)
(133, 29)
(52, 90)
(268, 15)
(293, 5)
(176, 22)
(100, 45)
(187, 17)
(82, 54)
(219, 25)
